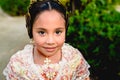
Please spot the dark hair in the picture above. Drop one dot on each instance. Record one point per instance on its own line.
(40, 6)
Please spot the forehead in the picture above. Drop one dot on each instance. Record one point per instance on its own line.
(48, 13)
(50, 17)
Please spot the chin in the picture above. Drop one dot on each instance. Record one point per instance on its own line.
(48, 55)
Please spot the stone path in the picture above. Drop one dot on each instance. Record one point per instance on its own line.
(13, 37)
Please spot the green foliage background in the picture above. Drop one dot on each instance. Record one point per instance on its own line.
(14, 7)
(94, 28)
(95, 31)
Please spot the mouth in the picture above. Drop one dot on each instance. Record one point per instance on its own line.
(50, 49)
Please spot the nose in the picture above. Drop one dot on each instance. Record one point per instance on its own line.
(50, 39)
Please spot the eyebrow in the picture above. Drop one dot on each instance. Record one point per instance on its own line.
(41, 29)
(60, 28)
(46, 29)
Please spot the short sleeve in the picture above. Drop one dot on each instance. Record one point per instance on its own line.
(82, 71)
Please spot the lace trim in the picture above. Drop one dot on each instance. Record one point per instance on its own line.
(68, 53)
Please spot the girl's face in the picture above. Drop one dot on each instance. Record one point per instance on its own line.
(49, 33)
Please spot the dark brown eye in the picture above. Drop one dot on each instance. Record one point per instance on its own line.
(58, 32)
(41, 32)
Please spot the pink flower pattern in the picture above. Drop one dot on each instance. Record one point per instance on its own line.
(73, 66)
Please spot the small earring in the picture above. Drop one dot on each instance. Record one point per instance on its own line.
(31, 41)
(64, 41)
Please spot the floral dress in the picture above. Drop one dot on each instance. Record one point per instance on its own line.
(72, 66)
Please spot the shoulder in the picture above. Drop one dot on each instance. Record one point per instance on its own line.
(73, 55)
(68, 49)
(23, 55)
(19, 61)
(76, 62)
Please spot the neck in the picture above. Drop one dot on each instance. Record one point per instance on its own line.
(40, 58)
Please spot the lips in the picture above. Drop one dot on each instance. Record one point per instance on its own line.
(50, 49)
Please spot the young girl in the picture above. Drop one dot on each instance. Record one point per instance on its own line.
(49, 57)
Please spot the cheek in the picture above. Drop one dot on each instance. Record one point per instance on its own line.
(38, 40)
(61, 39)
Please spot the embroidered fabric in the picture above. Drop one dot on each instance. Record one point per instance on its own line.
(21, 66)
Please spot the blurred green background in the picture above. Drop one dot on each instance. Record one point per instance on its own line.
(94, 28)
